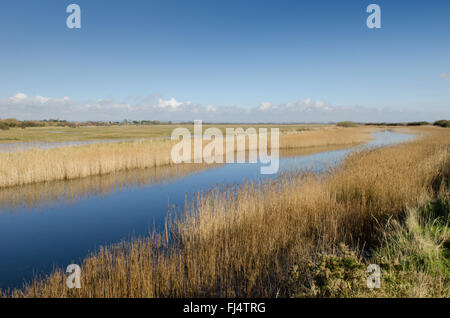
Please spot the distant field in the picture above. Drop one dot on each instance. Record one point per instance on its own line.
(58, 134)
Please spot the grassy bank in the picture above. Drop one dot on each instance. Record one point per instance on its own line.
(270, 239)
(413, 255)
(32, 166)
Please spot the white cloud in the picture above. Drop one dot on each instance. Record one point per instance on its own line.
(211, 108)
(170, 103)
(18, 97)
(444, 75)
(265, 106)
(42, 99)
(24, 98)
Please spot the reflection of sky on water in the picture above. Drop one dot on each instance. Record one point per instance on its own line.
(22, 146)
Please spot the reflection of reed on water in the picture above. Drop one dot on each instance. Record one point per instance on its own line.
(297, 152)
(36, 195)
(44, 194)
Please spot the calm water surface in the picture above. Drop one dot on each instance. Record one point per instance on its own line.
(59, 223)
(23, 146)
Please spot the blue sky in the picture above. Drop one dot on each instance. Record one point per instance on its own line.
(179, 59)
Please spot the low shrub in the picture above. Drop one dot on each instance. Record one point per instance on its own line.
(3, 126)
(442, 123)
(346, 124)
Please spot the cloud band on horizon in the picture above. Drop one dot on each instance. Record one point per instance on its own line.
(154, 107)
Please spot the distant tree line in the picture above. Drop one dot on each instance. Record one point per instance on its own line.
(8, 123)
(144, 122)
(441, 123)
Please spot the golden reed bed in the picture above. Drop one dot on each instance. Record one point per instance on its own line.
(245, 241)
(25, 167)
(34, 195)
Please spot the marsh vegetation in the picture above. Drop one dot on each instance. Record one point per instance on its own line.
(301, 234)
